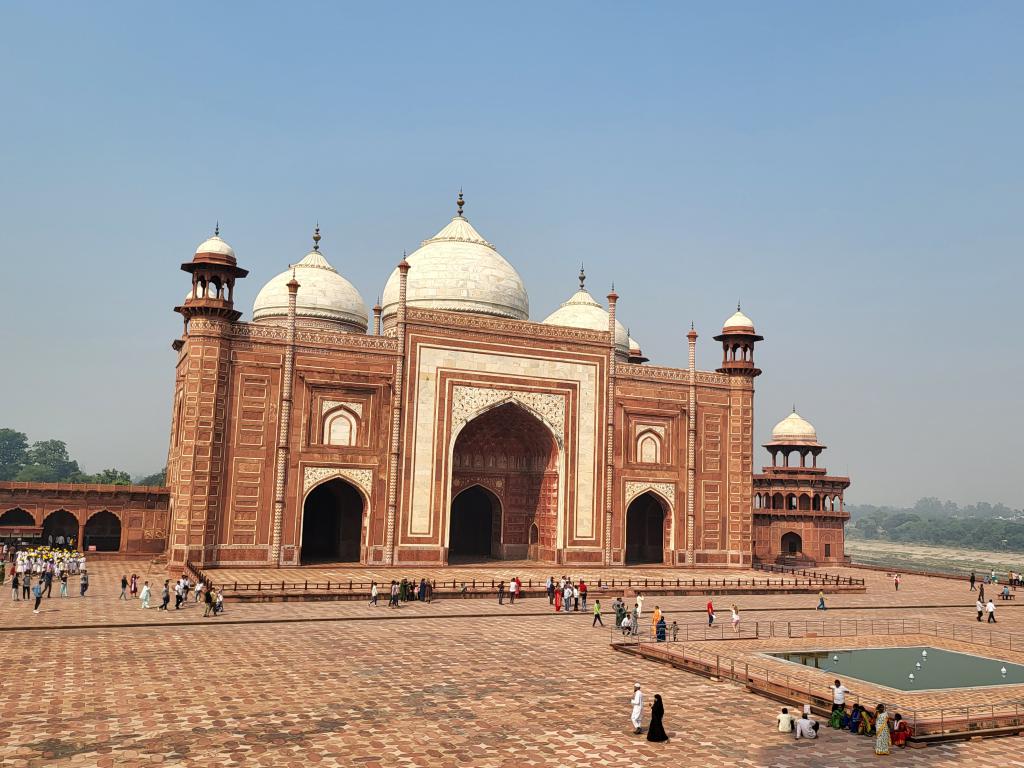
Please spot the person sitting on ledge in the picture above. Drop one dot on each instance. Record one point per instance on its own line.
(853, 723)
(785, 721)
(867, 723)
(901, 731)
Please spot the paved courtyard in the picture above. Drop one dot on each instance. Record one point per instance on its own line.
(453, 683)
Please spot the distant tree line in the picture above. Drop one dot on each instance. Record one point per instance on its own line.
(994, 527)
(47, 461)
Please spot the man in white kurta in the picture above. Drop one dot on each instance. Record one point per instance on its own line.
(638, 708)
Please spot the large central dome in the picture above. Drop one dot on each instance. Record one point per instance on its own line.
(458, 271)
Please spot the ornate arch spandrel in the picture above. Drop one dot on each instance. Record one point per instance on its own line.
(360, 477)
(667, 491)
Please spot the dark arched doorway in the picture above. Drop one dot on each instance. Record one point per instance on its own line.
(475, 524)
(103, 531)
(645, 530)
(511, 450)
(332, 523)
(17, 517)
(59, 527)
(792, 544)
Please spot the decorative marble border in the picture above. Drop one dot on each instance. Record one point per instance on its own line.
(356, 408)
(634, 488)
(361, 477)
(468, 402)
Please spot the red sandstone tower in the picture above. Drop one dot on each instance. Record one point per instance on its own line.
(738, 338)
(199, 421)
(798, 507)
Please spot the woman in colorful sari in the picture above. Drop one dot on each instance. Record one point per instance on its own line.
(883, 740)
(867, 723)
(900, 731)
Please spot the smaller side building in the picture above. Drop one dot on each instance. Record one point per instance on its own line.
(799, 515)
(130, 519)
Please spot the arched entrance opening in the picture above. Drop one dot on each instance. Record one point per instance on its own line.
(511, 456)
(103, 531)
(792, 544)
(17, 517)
(332, 523)
(475, 524)
(646, 527)
(59, 527)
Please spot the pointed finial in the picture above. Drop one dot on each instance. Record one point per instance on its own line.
(738, 306)
(459, 203)
(293, 273)
(794, 407)
(583, 276)
(691, 326)
(316, 237)
(216, 229)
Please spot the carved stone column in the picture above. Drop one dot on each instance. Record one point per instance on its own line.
(691, 444)
(281, 470)
(396, 417)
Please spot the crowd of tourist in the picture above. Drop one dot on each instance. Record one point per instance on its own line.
(32, 571)
(403, 591)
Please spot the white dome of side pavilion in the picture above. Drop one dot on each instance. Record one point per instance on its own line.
(458, 271)
(325, 299)
(582, 311)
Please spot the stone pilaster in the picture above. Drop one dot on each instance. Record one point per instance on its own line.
(396, 417)
(691, 443)
(613, 299)
(281, 469)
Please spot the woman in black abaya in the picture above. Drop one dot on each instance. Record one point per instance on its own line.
(656, 731)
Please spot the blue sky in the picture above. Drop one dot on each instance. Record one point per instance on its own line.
(851, 172)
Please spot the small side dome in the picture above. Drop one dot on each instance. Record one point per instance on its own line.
(794, 429)
(582, 311)
(325, 299)
(738, 322)
(215, 245)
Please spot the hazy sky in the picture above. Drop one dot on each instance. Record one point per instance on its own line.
(851, 172)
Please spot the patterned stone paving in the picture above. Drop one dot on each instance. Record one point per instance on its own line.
(454, 683)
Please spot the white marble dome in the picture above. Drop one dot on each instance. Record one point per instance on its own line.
(458, 271)
(738, 322)
(215, 245)
(325, 298)
(794, 428)
(582, 311)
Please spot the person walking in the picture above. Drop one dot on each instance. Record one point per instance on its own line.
(636, 715)
(373, 593)
(656, 730)
(37, 590)
(635, 624)
(735, 618)
(567, 597)
(48, 580)
(63, 583)
(576, 597)
(597, 614)
(990, 609)
(973, 580)
(14, 587)
(583, 594)
(208, 599)
(165, 596)
(883, 739)
(177, 594)
(124, 587)
(512, 591)
(980, 607)
(896, 581)
(557, 600)
(144, 595)
(26, 585)
(218, 602)
(549, 586)
(821, 601)
(83, 583)
(501, 592)
(711, 613)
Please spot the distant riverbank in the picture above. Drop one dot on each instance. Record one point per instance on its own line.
(920, 557)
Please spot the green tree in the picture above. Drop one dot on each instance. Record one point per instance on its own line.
(13, 453)
(48, 462)
(110, 477)
(157, 478)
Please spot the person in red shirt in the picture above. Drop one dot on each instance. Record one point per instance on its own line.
(711, 613)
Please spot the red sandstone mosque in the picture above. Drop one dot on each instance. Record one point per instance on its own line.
(445, 424)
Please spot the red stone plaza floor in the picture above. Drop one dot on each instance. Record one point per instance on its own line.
(453, 683)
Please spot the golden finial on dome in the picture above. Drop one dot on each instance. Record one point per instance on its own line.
(316, 237)
(459, 203)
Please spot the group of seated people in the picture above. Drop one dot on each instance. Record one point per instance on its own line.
(858, 720)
